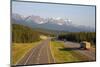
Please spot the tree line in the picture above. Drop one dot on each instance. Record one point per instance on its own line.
(23, 34)
(79, 36)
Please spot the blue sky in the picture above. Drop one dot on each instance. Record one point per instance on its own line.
(80, 15)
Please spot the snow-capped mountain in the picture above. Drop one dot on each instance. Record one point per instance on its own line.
(58, 21)
(35, 19)
(18, 18)
(53, 23)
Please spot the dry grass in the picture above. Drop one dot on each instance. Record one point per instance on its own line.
(19, 49)
(62, 55)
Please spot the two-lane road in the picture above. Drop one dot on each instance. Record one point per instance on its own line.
(41, 54)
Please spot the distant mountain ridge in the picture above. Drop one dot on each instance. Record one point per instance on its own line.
(58, 23)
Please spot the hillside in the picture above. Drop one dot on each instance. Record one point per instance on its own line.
(24, 34)
(58, 24)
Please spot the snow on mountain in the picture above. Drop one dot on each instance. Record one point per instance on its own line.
(58, 21)
(54, 23)
(39, 20)
(35, 19)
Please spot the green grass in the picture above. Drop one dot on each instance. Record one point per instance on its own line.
(19, 49)
(62, 55)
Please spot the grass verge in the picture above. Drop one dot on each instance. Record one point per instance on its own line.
(19, 49)
(61, 55)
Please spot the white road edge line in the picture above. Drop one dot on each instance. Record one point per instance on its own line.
(39, 54)
(30, 56)
(23, 56)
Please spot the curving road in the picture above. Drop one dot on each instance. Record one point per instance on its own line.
(41, 54)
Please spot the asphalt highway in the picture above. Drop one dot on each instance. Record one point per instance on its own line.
(41, 54)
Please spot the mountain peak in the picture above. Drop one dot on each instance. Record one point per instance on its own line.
(54, 23)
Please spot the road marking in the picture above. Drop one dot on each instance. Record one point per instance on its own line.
(23, 56)
(29, 56)
(52, 54)
(39, 53)
(32, 53)
(38, 57)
